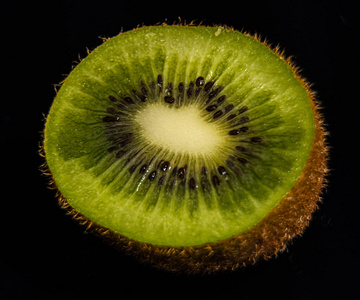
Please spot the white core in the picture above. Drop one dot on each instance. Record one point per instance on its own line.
(179, 129)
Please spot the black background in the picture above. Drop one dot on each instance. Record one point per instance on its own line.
(46, 255)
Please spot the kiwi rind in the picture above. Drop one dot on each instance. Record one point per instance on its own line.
(263, 241)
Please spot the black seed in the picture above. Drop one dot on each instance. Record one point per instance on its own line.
(222, 170)
(211, 107)
(242, 120)
(221, 99)
(231, 117)
(169, 87)
(161, 180)
(244, 129)
(212, 94)
(181, 173)
(169, 99)
(203, 170)
(164, 166)
(112, 98)
(152, 175)
(111, 110)
(208, 86)
(111, 119)
(242, 160)
(240, 148)
(229, 107)
(243, 109)
(190, 89)
(123, 143)
(181, 87)
(120, 154)
(217, 114)
(234, 132)
(160, 80)
(132, 169)
(216, 180)
(113, 148)
(229, 163)
(143, 169)
(255, 139)
(215, 92)
(142, 98)
(192, 183)
(144, 91)
(129, 100)
(200, 81)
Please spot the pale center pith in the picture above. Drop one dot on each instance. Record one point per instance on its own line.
(181, 130)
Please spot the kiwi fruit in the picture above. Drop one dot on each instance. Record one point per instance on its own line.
(193, 148)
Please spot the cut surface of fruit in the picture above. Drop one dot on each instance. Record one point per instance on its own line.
(181, 131)
(179, 136)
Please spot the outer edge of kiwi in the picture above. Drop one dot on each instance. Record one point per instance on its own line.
(263, 241)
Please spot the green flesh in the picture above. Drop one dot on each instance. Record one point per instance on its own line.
(169, 210)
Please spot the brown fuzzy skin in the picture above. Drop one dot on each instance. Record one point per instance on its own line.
(263, 241)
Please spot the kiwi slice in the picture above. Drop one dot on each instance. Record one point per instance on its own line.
(195, 148)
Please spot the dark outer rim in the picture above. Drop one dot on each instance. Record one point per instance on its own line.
(263, 241)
